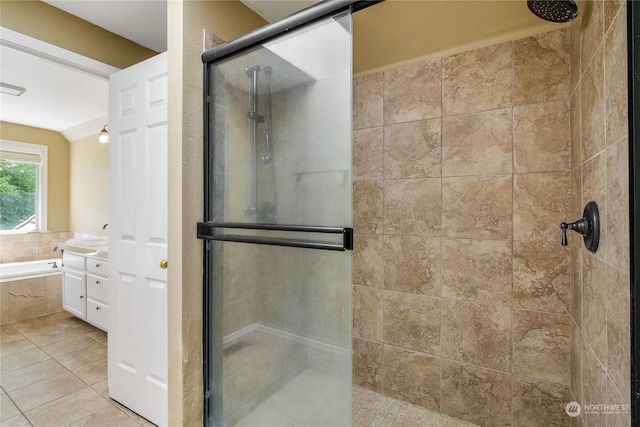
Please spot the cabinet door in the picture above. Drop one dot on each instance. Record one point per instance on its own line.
(74, 293)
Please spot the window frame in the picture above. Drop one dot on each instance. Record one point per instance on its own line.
(41, 181)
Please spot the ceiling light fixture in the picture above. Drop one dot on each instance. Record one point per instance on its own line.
(11, 89)
(104, 135)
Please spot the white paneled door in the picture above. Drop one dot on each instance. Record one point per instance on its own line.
(138, 238)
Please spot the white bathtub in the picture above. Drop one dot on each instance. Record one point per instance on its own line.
(29, 269)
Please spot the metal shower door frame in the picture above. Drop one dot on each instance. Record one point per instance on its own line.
(208, 229)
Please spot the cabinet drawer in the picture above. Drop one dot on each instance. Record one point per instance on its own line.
(70, 259)
(98, 314)
(97, 287)
(98, 266)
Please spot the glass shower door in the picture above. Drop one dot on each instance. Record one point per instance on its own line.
(278, 231)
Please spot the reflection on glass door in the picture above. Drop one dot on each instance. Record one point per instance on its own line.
(278, 232)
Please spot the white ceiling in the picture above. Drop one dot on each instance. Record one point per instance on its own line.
(75, 103)
(142, 21)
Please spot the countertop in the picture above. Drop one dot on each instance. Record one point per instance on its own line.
(101, 252)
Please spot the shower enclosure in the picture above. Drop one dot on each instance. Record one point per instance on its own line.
(277, 226)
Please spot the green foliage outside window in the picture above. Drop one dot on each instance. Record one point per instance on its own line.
(17, 193)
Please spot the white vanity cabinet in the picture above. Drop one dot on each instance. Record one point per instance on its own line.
(97, 292)
(85, 287)
(74, 287)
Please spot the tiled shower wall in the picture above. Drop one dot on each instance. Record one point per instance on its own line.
(462, 291)
(600, 282)
(30, 246)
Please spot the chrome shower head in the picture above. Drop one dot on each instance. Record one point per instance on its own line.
(554, 10)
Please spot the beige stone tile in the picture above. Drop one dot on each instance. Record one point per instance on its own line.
(576, 362)
(7, 408)
(368, 154)
(367, 207)
(541, 277)
(615, 93)
(411, 416)
(594, 385)
(45, 391)
(620, 417)
(594, 188)
(477, 334)
(575, 269)
(618, 329)
(16, 346)
(83, 357)
(102, 387)
(592, 30)
(22, 360)
(576, 136)
(413, 150)
(594, 304)
(24, 294)
(542, 137)
(478, 144)
(612, 8)
(67, 409)
(413, 92)
(8, 334)
(592, 107)
(17, 421)
(541, 202)
(413, 207)
(412, 377)
(477, 207)
(367, 364)
(617, 219)
(540, 403)
(69, 345)
(367, 312)
(93, 373)
(412, 264)
(99, 336)
(412, 321)
(542, 346)
(477, 270)
(541, 68)
(368, 94)
(477, 395)
(577, 207)
(54, 289)
(31, 374)
(478, 80)
(54, 334)
(109, 416)
(368, 267)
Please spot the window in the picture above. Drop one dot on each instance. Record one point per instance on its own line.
(23, 187)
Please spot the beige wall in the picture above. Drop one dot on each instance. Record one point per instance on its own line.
(89, 186)
(600, 368)
(58, 169)
(52, 25)
(187, 19)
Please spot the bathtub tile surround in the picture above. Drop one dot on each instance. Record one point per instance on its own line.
(30, 246)
(27, 298)
(54, 371)
(600, 359)
(465, 285)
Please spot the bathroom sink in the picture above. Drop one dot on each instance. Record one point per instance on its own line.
(88, 242)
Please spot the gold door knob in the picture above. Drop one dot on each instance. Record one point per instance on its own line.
(164, 264)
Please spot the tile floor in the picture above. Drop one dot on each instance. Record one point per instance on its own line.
(53, 372)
